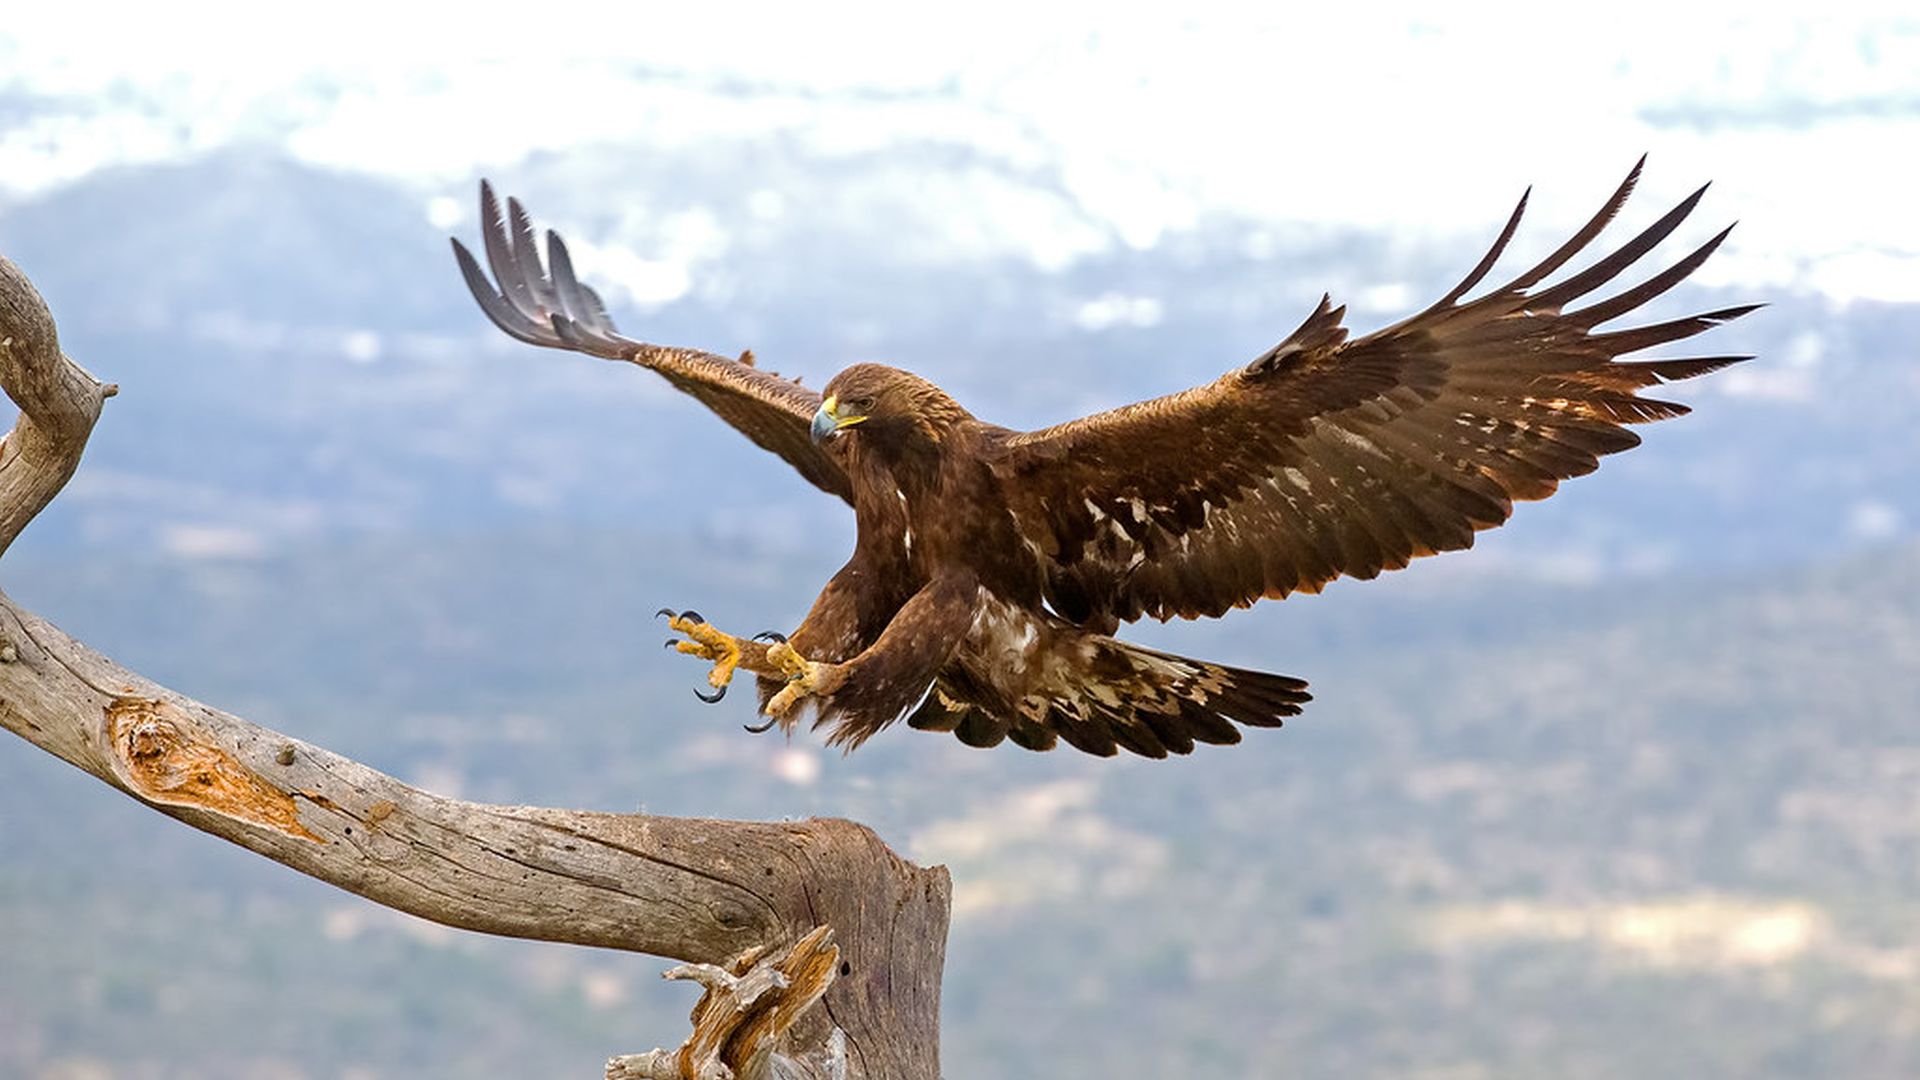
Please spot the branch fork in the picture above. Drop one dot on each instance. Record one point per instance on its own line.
(749, 1006)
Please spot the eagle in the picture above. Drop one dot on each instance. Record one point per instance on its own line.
(992, 567)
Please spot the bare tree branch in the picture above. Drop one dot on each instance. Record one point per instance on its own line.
(58, 405)
(732, 895)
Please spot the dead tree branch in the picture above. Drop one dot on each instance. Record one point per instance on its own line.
(747, 1007)
(781, 915)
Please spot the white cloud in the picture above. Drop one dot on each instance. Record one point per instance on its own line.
(1806, 349)
(1728, 934)
(1395, 299)
(1859, 274)
(445, 212)
(648, 283)
(797, 766)
(194, 541)
(1117, 309)
(1117, 126)
(361, 346)
(1872, 519)
(1777, 383)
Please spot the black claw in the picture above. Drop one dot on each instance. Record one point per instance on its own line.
(692, 616)
(665, 613)
(771, 635)
(761, 729)
(672, 642)
(714, 699)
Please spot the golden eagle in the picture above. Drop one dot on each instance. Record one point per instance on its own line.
(992, 566)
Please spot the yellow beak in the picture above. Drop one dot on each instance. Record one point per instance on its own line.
(830, 420)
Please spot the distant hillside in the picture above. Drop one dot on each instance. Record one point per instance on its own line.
(1654, 828)
(300, 364)
(1626, 791)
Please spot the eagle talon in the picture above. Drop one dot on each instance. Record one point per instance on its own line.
(706, 643)
(805, 678)
(762, 729)
(771, 635)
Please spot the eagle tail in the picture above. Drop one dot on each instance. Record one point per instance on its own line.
(1113, 696)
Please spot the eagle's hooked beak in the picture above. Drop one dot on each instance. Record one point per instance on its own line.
(829, 420)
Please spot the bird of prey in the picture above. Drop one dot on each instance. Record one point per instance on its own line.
(992, 566)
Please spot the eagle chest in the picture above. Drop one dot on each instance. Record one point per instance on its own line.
(954, 521)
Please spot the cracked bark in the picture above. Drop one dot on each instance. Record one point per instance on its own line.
(754, 907)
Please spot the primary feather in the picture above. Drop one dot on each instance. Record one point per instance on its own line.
(1327, 457)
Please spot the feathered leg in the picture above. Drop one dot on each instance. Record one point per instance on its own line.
(875, 687)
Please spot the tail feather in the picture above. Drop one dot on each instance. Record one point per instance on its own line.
(1111, 696)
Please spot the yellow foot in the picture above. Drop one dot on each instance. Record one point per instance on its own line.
(706, 643)
(804, 678)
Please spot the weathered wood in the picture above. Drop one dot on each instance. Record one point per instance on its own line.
(58, 405)
(738, 1022)
(707, 892)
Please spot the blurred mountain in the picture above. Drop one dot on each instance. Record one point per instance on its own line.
(1622, 791)
(1628, 790)
(1639, 828)
(299, 362)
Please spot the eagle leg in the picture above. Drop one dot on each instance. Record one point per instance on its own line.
(727, 652)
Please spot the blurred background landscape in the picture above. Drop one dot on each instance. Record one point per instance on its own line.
(1633, 788)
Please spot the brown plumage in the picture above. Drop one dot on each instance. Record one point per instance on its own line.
(992, 566)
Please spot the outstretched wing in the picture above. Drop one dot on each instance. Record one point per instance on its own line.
(1326, 457)
(559, 312)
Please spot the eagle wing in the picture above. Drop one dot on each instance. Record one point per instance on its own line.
(1326, 456)
(559, 312)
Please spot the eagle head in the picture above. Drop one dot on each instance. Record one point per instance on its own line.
(886, 408)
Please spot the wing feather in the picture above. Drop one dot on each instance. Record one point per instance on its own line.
(547, 305)
(1327, 457)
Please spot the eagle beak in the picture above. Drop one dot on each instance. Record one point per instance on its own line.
(829, 420)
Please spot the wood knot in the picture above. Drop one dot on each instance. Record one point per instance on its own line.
(166, 757)
(150, 739)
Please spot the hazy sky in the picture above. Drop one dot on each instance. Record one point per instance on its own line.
(1404, 118)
